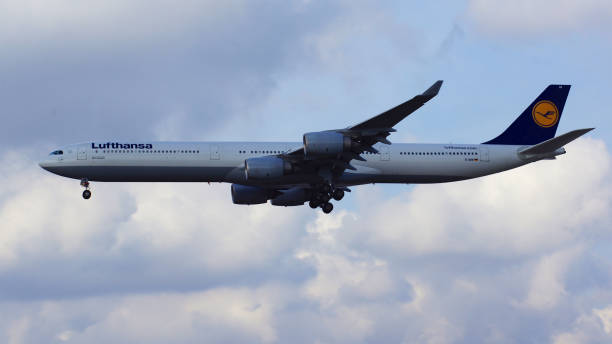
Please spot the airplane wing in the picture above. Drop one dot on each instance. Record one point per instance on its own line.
(329, 152)
(391, 117)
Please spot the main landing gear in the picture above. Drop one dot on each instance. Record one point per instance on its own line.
(87, 192)
(322, 195)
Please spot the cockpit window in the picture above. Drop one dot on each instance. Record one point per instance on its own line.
(57, 152)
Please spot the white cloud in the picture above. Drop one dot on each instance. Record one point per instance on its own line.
(145, 262)
(17, 330)
(515, 257)
(144, 69)
(541, 206)
(216, 315)
(175, 234)
(605, 315)
(546, 287)
(527, 17)
(121, 21)
(589, 327)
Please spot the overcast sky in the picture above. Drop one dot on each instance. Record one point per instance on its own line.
(523, 256)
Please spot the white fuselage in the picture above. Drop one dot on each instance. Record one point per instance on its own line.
(224, 162)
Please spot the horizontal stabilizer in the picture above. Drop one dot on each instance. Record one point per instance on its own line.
(555, 143)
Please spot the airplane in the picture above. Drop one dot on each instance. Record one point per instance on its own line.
(325, 164)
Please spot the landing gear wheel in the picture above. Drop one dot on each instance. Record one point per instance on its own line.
(86, 194)
(322, 197)
(313, 204)
(327, 207)
(338, 194)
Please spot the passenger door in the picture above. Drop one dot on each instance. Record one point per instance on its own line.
(82, 153)
(384, 153)
(214, 152)
(484, 154)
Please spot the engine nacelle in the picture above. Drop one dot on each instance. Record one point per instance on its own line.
(326, 143)
(292, 197)
(244, 194)
(268, 167)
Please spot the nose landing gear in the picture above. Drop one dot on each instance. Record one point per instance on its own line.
(85, 184)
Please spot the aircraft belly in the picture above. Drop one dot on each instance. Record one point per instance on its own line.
(416, 172)
(358, 178)
(144, 173)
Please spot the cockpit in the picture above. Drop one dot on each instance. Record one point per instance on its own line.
(57, 152)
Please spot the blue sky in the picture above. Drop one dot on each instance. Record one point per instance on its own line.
(522, 256)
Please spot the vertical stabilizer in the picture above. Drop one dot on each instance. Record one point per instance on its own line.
(539, 121)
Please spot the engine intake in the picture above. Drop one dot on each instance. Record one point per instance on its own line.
(244, 194)
(326, 143)
(268, 167)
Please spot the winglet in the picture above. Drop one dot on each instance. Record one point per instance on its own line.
(434, 89)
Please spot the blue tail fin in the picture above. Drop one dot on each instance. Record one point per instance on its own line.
(539, 121)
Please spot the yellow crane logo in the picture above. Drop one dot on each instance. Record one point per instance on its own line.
(545, 114)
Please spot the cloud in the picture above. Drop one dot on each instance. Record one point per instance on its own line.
(132, 236)
(517, 257)
(525, 18)
(510, 213)
(547, 283)
(512, 260)
(591, 327)
(216, 315)
(142, 70)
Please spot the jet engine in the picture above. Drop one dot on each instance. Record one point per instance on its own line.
(268, 167)
(326, 143)
(292, 197)
(244, 194)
